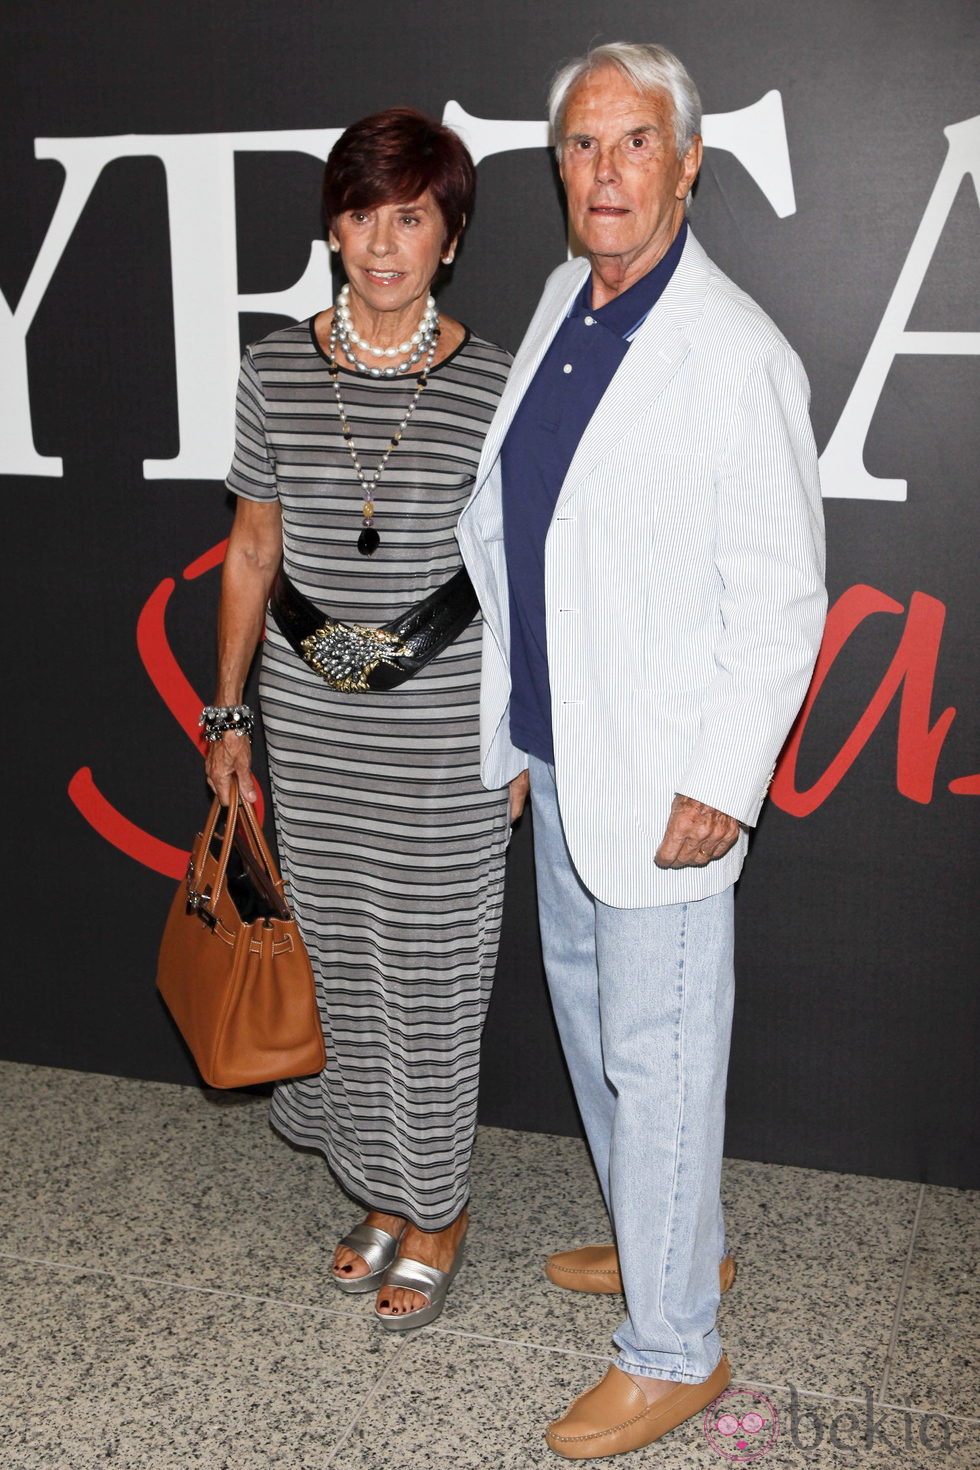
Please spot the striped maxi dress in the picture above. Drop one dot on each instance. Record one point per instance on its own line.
(392, 849)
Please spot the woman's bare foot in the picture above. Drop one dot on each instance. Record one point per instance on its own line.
(433, 1248)
(348, 1263)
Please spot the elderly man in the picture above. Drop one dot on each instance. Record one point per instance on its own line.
(645, 536)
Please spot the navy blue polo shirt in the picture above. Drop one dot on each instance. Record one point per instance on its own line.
(542, 439)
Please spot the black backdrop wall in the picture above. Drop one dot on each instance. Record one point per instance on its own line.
(160, 172)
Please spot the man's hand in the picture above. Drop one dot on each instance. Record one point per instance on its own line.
(518, 795)
(695, 835)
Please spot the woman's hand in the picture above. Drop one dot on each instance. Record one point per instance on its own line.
(519, 788)
(230, 756)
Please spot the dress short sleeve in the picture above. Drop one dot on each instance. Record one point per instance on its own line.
(253, 467)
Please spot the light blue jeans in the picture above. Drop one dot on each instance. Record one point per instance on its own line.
(643, 1002)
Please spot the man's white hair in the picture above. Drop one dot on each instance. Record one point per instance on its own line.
(649, 68)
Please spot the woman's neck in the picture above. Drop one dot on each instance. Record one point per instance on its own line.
(385, 328)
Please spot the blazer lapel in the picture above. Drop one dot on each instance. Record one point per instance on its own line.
(549, 316)
(655, 354)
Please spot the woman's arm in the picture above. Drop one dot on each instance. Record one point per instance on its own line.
(251, 562)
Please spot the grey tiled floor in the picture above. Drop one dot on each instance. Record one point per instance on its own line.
(167, 1303)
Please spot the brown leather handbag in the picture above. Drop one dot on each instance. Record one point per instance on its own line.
(233, 968)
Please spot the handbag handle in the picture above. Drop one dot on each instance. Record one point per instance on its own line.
(235, 807)
(247, 810)
(193, 878)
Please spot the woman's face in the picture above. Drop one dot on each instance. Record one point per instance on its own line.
(391, 252)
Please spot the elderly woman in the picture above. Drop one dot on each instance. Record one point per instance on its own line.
(358, 436)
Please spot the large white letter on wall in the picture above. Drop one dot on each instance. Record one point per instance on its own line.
(755, 135)
(200, 170)
(842, 471)
(17, 453)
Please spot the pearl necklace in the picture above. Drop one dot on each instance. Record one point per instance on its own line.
(412, 350)
(369, 540)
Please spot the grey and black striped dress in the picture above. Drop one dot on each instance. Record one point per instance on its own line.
(392, 849)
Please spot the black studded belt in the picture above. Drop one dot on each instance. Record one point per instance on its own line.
(357, 659)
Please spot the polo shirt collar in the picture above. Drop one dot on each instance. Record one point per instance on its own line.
(625, 314)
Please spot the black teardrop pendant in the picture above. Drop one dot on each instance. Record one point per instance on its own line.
(368, 541)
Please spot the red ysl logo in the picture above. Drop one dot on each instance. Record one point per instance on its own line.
(912, 671)
(184, 704)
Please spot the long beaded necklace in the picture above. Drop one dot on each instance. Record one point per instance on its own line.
(369, 540)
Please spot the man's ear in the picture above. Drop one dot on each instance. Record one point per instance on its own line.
(691, 166)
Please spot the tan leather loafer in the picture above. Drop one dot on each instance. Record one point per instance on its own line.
(596, 1268)
(614, 1416)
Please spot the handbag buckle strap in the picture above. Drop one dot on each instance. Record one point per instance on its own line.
(197, 903)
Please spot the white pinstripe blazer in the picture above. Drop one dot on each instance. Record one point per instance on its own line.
(683, 580)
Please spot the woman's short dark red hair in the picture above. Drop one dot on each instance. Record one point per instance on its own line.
(393, 157)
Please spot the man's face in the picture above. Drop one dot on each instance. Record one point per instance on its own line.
(624, 181)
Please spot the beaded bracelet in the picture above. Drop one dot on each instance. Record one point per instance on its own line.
(218, 719)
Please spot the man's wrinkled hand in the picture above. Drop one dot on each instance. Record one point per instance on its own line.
(518, 795)
(696, 834)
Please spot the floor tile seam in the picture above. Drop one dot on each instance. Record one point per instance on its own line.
(75, 1268)
(843, 1398)
(369, 1398)
(929, 1413)
(78, 1269)
(837, 1398)
(517, 1342)
(900, 1300)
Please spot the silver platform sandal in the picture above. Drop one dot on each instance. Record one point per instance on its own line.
(376, 1248)
(430, 1282)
